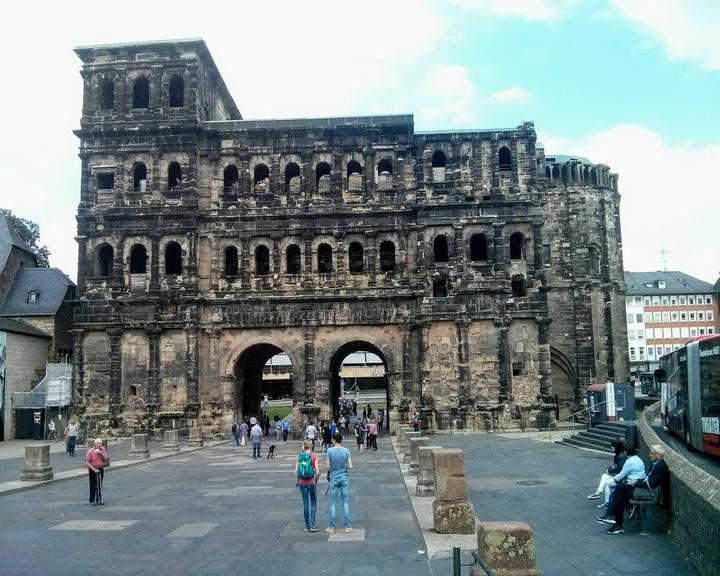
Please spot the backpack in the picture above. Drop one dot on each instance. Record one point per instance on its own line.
(234, 428)
(304, 466)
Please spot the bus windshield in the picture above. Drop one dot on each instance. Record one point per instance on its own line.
(710, 377)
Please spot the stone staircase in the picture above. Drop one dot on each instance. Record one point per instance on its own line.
(597, 438)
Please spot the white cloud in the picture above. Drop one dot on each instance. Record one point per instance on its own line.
(515, 96)
(536, 10)
(686, 28)
(670, 198)
(448, 93)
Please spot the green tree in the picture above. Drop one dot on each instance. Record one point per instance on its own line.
(29, 231)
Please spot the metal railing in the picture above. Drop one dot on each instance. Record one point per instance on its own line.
(589, 409)
(477, 561)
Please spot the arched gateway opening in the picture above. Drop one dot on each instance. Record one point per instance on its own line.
(263, 369)
(358, 372)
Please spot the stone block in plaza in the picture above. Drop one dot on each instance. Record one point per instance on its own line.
(449, 474)
(453, 517)
(415, 444)
(139, 447)
(37, 463)
(401, 433)
(426, 471)
(171, 441)
(406, 444)
(508, 548)
(195, 436)
(400, 427)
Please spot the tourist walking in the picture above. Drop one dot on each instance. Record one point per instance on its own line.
(307, 473)
(359, 436)
(244, 430)
(235, 430)
(311, 434)
(51, 431)
(256, 434)
(285, 429)
(372, 435)
(96, 459)
(339, 463)
(72, 431)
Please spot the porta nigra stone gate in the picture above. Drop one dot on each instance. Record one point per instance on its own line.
(486, 276)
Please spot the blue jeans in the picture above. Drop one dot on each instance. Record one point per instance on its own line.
(236, 438)
(256, 449)
(339, 485)
(309, 498)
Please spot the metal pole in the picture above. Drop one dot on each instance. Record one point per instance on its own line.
(456, 560)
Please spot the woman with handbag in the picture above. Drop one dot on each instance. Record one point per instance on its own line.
(605, 485)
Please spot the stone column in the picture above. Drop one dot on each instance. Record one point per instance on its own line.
(544, 354)
(508, 548)
(153, 332)
(154, 263)
(424, 359)
(308, 252)
(420, 250)
(309, 385)
(115, 335)
(191, 366)
(463, 353)
(139, 447)
(118, 272)
(504, 358)
(171, 441)
(538, 248)
(213, 365)
(407, 437)
(371, 258)
(499, 248)
(78, 391)
(415, 444)
(244, 265)
(514, 165)
(426, 471)
(460, 250)
(452, 513)
(406, 327)
(277, 258)
(195, 437)
(340, 257)
(37, 464)
(495, 165)
(82, 263)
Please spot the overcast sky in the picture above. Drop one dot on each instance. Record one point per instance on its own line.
(634, 84)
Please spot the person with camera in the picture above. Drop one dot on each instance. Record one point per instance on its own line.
(95, 460)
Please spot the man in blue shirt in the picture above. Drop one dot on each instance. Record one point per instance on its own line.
(339, 462)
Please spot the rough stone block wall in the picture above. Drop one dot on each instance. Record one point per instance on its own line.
(173, 373)
(25, 362)
(483, 339)
(525, 365)
(443, 362)
(96, 362)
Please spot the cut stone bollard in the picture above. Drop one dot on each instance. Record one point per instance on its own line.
(37, 463)
(401, 427)
(139, 447)
(171, 443)
(401, 434)
(452, 513)
(406, 444)
(426, 475)
(415, 444)
(195, 436)
(508, 548)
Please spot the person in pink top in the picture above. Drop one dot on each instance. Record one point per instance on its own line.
(372, 435)
(95, 460)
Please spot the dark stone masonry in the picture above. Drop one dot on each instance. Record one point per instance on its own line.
(486, 276)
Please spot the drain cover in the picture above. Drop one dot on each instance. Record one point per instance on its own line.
(530, 482)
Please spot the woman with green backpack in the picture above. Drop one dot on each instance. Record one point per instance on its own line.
(307, 473)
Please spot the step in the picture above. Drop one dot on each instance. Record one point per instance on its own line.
(577, 442)
(599, 443)
(612, 427)
(602, 435)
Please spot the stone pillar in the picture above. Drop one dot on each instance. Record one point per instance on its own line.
(118, 272)
(82, 263)
(153, 332)
(407, 436)
(139, 447)
(544, 355)
(171, 441)
(276, 259)
(155, 263)
(495, 170)
(460, 250)
(415, 444)
(213, 365)
(420, 250)
(426, 471)
(371, 257)
(424, 359)
(499, 248)
(78, 391)
(508, 549)
(37, 464)
(308, 252)
(195, 437)
(115, 335)
(340, 257)
(452, 513)
(463, 354)
(309, 385)
(244, 264)
(191, 365)
(406, 327)
(399, 431)
(504, 359)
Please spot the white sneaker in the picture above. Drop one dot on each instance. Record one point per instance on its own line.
(330, 530)
(349, 529)
(594, 496)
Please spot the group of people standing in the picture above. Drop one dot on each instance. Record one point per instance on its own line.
(626, 480)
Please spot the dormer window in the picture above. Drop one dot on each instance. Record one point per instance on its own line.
(661, 284)
(32, 296)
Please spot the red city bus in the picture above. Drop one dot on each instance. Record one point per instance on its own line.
(690, 393)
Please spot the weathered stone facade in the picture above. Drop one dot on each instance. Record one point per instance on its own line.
(476, 269)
